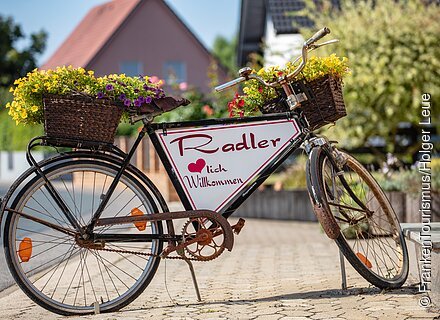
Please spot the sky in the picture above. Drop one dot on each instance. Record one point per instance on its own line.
(206, 18)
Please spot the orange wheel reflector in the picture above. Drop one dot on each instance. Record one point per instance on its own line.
(25, 249)
(364, 260)
(140, 225)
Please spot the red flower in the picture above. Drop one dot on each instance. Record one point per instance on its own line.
(241, 114)
(207, 110)
(241, 103)
(280, 73)
(260, 89)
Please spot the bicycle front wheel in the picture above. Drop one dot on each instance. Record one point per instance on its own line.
(370, 235)
(59, 272)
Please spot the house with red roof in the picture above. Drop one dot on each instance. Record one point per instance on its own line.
(136, 37)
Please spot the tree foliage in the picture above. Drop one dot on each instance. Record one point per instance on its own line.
(14, 62)
(394, 54)
(226, 52)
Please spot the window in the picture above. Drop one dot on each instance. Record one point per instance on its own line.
(174, 72)
(131, 68)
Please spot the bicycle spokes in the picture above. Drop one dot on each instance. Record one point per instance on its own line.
(364, 219)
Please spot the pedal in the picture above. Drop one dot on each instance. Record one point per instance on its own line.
(238, 226)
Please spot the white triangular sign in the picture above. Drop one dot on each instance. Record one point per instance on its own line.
(214, 163)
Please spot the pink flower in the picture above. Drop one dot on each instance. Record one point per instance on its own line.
(183, 86)
(207, 110)
(154, 79)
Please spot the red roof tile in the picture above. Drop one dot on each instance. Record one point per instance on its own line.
(91, 34)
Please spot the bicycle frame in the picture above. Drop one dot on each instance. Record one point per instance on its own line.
(227, 209)
(151, 128)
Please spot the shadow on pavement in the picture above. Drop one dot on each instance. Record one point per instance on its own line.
(318, 294)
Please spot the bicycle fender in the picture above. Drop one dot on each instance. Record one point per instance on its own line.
(325, 218)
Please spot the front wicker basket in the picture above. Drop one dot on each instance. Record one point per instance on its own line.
(80, 118)
(324, 104)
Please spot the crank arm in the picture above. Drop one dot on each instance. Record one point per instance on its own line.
(45, 223)
(172, 248)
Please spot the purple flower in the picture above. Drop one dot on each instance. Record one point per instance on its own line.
(146, 88)
(100, 95)
(148, 99)
(137, 103)
(127, 102)
(122, 97)
(109, 87)
(136, 90)
(141, 99)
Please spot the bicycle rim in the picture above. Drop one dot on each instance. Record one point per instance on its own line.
(370, 237)
(62, 276)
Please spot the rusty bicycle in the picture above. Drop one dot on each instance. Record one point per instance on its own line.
(85, 230)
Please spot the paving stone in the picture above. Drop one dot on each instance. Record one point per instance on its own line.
(259, 279)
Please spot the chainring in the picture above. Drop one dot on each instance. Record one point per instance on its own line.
(207, 248)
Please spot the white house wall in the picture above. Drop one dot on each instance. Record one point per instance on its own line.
(282, 47)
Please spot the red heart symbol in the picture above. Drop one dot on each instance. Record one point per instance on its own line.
(197, 166)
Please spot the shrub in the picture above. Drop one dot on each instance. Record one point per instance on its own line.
(394, 56)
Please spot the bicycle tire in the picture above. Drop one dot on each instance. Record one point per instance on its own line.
(368, 230)
(149, 199)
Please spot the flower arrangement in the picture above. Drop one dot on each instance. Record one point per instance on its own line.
(257, 95)
(27, 106)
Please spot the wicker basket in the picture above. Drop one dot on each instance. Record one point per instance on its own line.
(73, 119)
(324, 104)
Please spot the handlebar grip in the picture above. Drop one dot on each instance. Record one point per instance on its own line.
(318, 35)
(229, 84)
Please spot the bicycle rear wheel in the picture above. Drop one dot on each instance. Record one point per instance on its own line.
(370, 235)
(53, 268)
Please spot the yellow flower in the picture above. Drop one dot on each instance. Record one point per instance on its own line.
(23, 114)
(34, 108)
(11, 89)
(91, 72)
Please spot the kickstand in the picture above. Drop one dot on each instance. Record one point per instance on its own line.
(194, 279)
(343, 274)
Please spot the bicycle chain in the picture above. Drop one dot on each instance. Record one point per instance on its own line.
(147, 254)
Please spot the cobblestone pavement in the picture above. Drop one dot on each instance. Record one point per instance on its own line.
(277, 270)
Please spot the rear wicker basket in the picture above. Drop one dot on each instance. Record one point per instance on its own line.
(73, 119)
(324, 104)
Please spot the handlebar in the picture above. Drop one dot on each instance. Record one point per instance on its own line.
(309, 45)
(318, 36)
